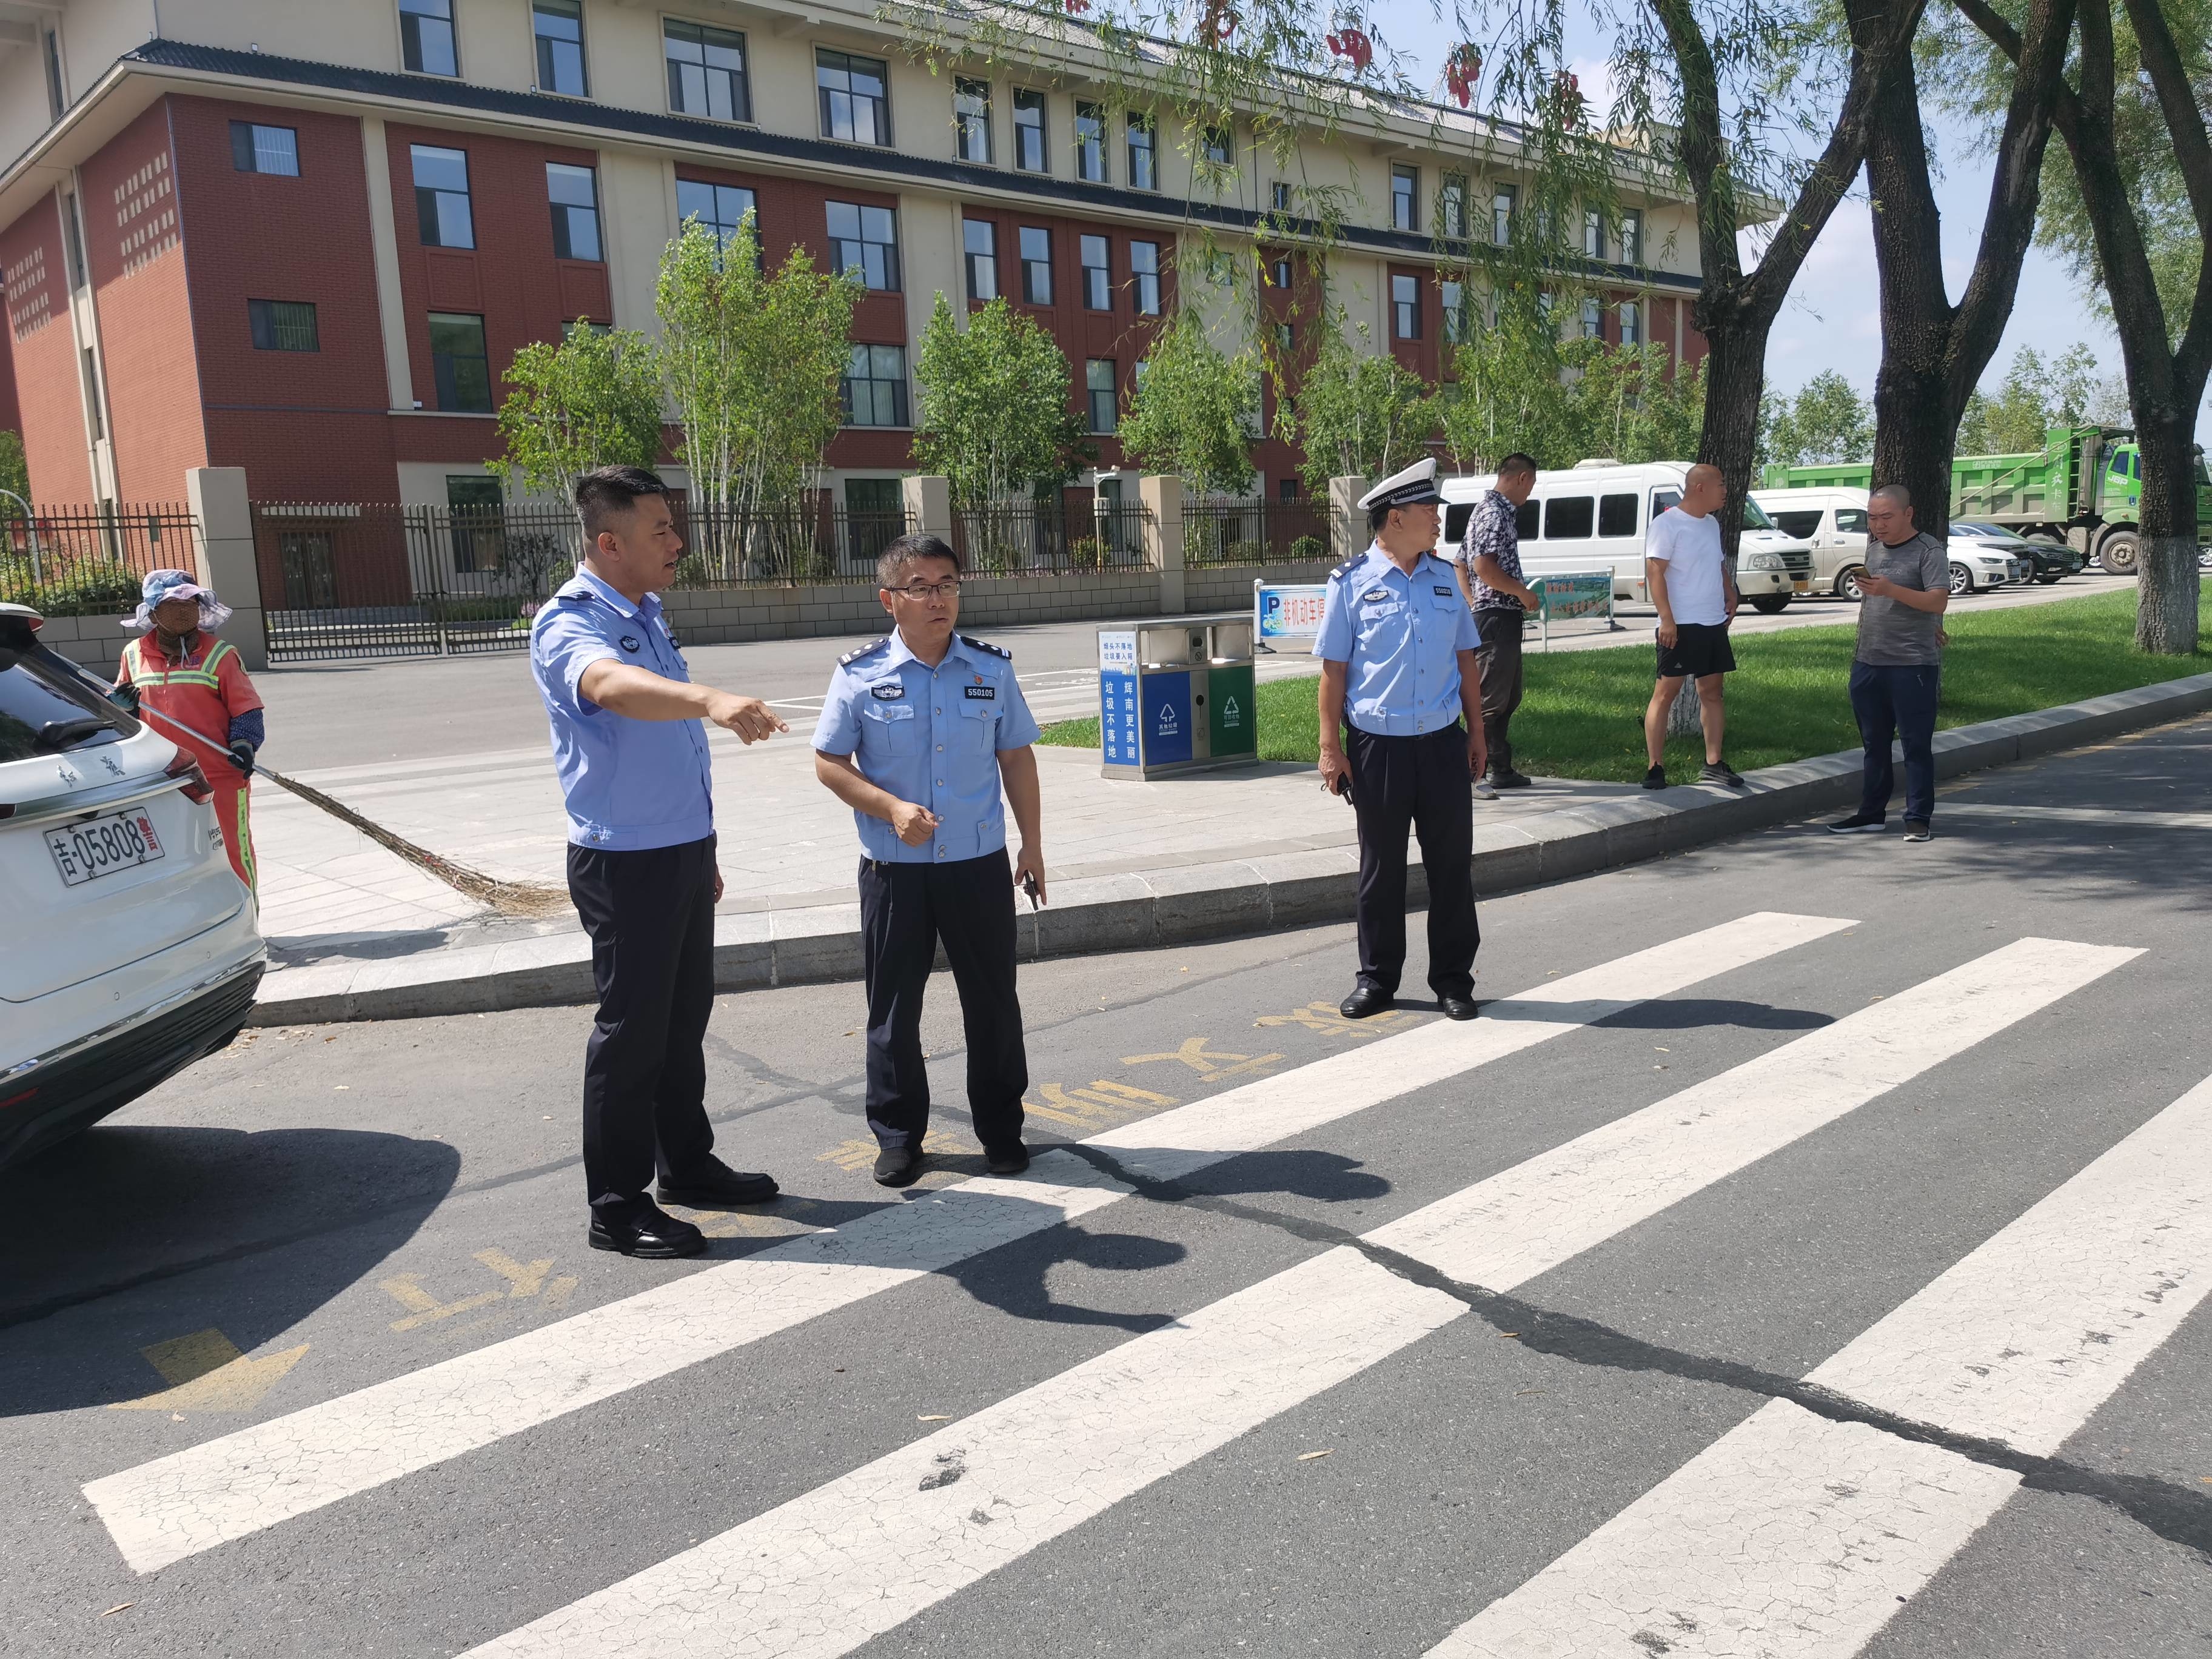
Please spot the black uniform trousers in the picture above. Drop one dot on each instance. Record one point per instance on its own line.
(1500, 627)
(1421, 783)
(905, 910)
(651, 917)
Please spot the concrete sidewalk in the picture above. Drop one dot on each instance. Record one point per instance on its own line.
(1134, 864)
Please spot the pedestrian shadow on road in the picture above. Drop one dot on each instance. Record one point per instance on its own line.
(1013, 1279)
(135, 1238)
(1662, 1014)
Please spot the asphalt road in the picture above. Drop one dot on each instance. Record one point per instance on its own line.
(356, 714)
(1542, 1287)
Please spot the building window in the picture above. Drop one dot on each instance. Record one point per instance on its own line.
(90, 371)
(56, 102)
(559, 25)
(477, 508)
(1632, 325)
(1144, 277)
(1143, 147)
(1286, 489)
(282, 325)
(1457, 317)
(1091, 143)
(1451, 206)
(571, 326)
(425, 37)
(1286, 337)
(1592, 327)
(257, 148)
(1036, 266)
(1097, 275)
(441, 197)
(72, 241)
(979, 238)
(1280, 273)
(1278, 197)
(1405, 198)
(856, 94)
(1098, 388)
(1220, 145)
(1501, 214)
(1405, 307)
(873, 389)
(1593, 234)
(864, 240)
(1632, 237)
(721, 207)
(574, 196)
(1029, 131)
(971, 117)
(459, 364)
(706, 71)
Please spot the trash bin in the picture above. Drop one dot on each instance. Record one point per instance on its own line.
(1175, 695)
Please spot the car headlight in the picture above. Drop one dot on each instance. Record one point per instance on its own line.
(1766, 562)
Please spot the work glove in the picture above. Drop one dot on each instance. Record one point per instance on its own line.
(241, 756)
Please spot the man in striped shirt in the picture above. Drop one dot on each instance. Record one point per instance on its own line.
(1489, 562)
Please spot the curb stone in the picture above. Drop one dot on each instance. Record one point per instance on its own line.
(1198, 902)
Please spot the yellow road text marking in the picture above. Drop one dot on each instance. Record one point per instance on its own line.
(207, 1373)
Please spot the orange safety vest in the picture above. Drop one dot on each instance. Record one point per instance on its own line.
(199, 693)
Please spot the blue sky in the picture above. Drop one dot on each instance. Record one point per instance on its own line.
(1830, 321)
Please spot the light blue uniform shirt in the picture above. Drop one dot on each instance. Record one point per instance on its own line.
(931, 736)
(629, 784)
(1402, 636)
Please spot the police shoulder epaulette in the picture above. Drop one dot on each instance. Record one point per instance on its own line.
(867, 650)
(985, 645)
(1348, 566)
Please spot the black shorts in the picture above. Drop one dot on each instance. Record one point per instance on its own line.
(1700, 649)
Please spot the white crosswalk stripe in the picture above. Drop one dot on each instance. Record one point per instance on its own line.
(829, 1570)
(236, 1484)
(1797, 1535)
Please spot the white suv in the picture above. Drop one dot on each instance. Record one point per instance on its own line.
(132, 949)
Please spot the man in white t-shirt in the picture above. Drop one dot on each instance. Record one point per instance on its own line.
(1695, 592)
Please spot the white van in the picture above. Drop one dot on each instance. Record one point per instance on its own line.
(1592, 516)
(1834, 520)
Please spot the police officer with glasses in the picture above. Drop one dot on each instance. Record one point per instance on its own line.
(920, 733)
(1397, 644)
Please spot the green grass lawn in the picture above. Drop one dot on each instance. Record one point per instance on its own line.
(1582, 716)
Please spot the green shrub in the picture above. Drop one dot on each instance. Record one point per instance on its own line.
(1086, 553)
(1310, 550)
(93, 588)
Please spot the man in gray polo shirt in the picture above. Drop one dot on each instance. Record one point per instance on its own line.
(1898, 666)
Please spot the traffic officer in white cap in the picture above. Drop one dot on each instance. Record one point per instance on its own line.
(1397, 646)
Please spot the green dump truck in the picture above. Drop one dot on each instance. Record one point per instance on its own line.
(2083, 487)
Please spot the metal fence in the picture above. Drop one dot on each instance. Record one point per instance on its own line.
(89, 561)
(1217, 531)
(380, 579)
(1076, 531)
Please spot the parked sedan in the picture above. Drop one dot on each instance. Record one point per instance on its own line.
(2047, 560)
(132, 948)
(1977, 567)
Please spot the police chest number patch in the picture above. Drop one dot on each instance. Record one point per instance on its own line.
(986, 692)
(628, 643)
(890, 693)
(1442, 592)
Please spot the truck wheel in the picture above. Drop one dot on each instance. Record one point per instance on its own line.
(1962, 581)
(2120, 553)
(1768, 605)
(1847, 584)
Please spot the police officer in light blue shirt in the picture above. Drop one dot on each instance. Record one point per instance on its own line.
(1397, 646)
(921, 731)
(634, 772)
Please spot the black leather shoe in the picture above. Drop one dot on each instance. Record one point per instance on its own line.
(715, 1186)
(1507, 778)
(1007, 1160)
(647, 1232)
(1365, 1001)
(898, 1166)
(1458, 1007)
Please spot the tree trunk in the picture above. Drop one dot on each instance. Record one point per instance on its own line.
(2167, 587)
(1736, 377)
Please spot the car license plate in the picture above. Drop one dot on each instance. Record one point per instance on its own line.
(1802, 585)
(101, 846)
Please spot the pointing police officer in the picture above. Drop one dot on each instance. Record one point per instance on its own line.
(1397, 644)
(634, 767)
(919, 732)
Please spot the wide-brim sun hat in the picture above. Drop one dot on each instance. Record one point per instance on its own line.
(161, 585)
